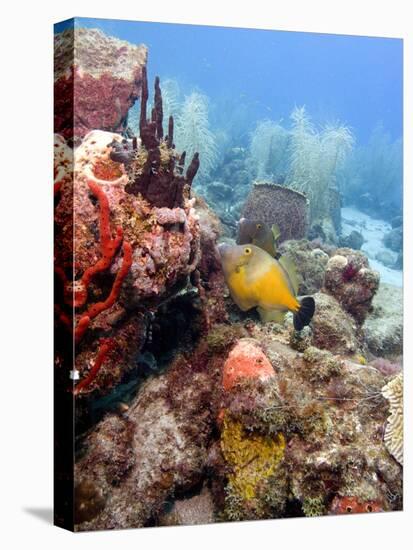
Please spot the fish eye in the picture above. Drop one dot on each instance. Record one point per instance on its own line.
(247, 250)
(259, 226)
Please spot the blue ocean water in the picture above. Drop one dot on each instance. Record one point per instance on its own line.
(250, 76)
(352, 78)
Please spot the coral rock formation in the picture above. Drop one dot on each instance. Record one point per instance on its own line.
(137, 459)
(101, 74)
(134, 248)
(276, 204)
(383, 327)
(196, 510)
(332, 328)
(350, 280)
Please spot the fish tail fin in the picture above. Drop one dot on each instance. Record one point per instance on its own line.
(304, 315)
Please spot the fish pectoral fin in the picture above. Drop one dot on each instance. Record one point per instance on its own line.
(243, 303)
(289, 266)
(275, 232)
(275, 315)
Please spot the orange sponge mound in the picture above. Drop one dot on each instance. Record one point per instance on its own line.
(246, 360)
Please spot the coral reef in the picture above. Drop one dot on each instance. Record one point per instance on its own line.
(187, 409)
(354, 240)
(394, 239)
(135, 242)
(138, 459)
(102, 74)
(393, 437)
(329, 412)
(276, 204)
(350, 280)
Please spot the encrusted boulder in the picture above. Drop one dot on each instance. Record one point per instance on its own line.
(383, 327)
(127, 218)
(394, 239)
(354, 240)
(102, 73)
(133, 461)
(350, 280)
(333, 328)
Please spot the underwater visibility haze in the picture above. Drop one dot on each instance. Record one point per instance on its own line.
(229, 265)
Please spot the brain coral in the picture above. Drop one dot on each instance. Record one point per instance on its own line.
(393, 437)
(272, 203)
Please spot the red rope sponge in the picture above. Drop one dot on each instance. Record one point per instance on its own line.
(107, 345)
(108, 246)
(97, 308)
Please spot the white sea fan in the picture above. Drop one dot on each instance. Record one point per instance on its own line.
(268, 149)
(192, 133)
(171, 99)
(315, 158)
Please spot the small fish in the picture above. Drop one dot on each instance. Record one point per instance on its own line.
(259, 234)
(255, 279)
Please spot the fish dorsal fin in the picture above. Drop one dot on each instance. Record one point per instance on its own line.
(289, 266)
(276, 233)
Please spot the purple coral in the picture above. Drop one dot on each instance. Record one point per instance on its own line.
(349, 272)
